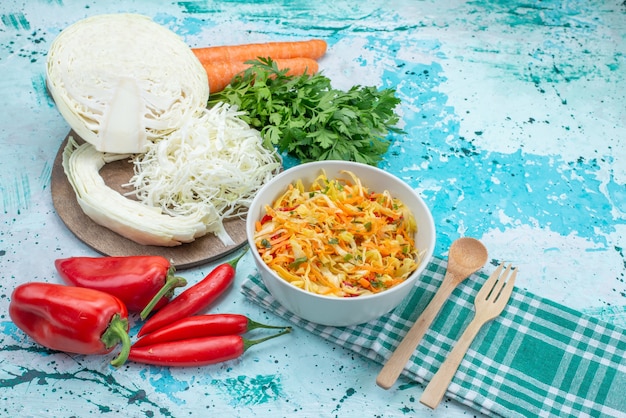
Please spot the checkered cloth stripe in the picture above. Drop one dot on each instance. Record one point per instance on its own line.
(538, 358)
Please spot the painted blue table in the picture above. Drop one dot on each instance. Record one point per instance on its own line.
(515, 121)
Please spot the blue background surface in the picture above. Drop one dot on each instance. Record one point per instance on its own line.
(515, 121)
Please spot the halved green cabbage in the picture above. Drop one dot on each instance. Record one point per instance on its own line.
(122, 80)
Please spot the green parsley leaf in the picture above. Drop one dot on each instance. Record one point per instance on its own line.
(307, 118)
(296, 263)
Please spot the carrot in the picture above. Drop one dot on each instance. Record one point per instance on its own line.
(365, 283)
(313, 49)
(221, 73)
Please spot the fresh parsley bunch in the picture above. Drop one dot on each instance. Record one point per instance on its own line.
(307, 118)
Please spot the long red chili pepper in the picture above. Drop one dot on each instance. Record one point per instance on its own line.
(202, 326)
(135, 280)
(196, 351)
(71, 319)
(193, 299)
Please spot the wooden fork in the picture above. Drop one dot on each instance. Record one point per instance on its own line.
(489, 304)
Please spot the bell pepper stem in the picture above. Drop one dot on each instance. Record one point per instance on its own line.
(117, 332)
(171, 282)
(249, 343)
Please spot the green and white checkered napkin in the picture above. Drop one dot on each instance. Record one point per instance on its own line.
(538, 358)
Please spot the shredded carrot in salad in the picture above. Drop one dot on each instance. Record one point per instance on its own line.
(338, 238)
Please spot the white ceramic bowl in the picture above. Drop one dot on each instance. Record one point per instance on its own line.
(327, 310)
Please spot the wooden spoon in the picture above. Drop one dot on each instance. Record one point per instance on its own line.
(466, 256)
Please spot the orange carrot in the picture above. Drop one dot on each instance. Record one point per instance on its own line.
(221, 73)
(365, 283)
(313, 49)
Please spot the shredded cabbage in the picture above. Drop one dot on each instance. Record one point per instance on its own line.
(186, 184)
(214, 165)
(337, 238)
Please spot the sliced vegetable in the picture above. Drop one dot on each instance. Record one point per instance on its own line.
(186, 184)
(135, 280)
(309, 119)
(312, 48)
(129, 218)
(193, 299)
(221, 73)
(211, 170)
(337, 238)
(196, 352)
(122, 80)
(71, 319)
(201, 326)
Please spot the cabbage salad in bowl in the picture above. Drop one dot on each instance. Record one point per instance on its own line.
(337, 238)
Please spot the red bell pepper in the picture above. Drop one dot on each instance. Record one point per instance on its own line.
(202, 326)
(196, 351)
(71, 319)
(193, 299)
(135, 280)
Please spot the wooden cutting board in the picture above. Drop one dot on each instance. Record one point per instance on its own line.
(201, 251)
